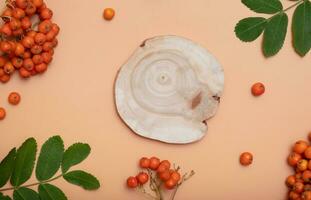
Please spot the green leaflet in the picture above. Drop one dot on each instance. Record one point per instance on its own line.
(301, 28)
(24, 162)
(75, 154)
(50, 158)
(25, 194)
(249, 29)
(6, 167)
(83, 179)
(264, 6)
(50, 192)
(2, 197)
(275, 34)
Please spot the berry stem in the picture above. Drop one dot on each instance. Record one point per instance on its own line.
(32, 184)
(185, 177)
(142, 190)
(154, 186)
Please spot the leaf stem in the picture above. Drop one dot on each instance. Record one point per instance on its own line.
(288, 8)
(32, 184)
(294, 5)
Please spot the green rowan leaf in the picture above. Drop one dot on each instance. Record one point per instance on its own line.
(25, 194)
(301, 28)
(50, 158)
(50, 192)
(24, 162)
(264, 6)
(275, 34)
(6, 167)
(74, 155)
(249, 29)
(83, 179)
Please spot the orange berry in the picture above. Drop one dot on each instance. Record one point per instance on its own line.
(28, 42)
(55, 29)
(308, 153)
(306, 195)
(302, 165)
(47, 46)
(37, 3)
(18, 13)
(142, 178)
(300, 146)
(15, 24)
(3, 60)
(2, 72)
(154, 163)
(143, 162)
(290, 181)
(50, 36)
(14, 98)
(45, 26)
(54, 42)
(17, 62)
(41, 68)
(170, 184)
(40, 38)
(47, 58)
(293, 159)
(132, 182)
(18, 32)
(46, 13)
(8, 68)
(28, 64)
(298, 187)
(37, 59)
(36, 49)
(7, 13)
(26, 23)
(31, 9)
(246, 158)
(166, 163)
(31, 34)
(27, 54)
(162, 167)
(258, 89)
(293, 195)
(5, 78)
(165, 175)
(175, 176)
(6, 30)
(21, 3)
(6, 47)
(2, 113)
(109, 14)
(19, 49)
(306, 175)
(24, 73)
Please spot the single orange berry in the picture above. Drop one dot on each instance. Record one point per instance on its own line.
(14, 98)
(144, 162)
(258, 89)
(109, 14)
(2, 113)
(246, 158)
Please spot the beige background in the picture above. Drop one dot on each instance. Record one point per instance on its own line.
(75, 99)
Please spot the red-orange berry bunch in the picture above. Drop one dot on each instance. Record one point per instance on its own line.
(159, 173)
(168, 176)
(299, 183)
(25, 46)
